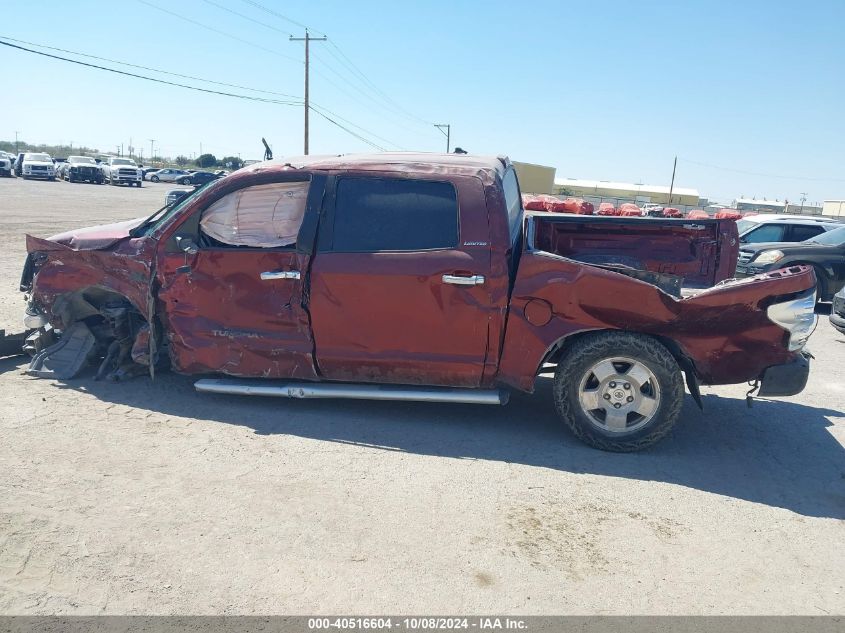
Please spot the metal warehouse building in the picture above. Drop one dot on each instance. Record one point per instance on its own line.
(635, 192)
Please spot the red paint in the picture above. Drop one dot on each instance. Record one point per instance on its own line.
(388, 317)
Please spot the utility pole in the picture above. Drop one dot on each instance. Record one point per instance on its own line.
(16, 141)
(307, 39)
(672, 184)
(152, 140)
(447, 133)
(803, 198)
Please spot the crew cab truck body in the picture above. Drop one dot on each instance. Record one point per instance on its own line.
(420, 277)
(122, 171)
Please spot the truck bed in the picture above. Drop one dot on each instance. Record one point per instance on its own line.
(701, 253)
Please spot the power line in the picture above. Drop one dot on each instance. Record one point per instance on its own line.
(246, 17)
(156, 70)
(261, 7)
(348, 64)
(351, 65)
(219, 32)
(358, 136)
(153, 79)
(763, 175)
(316, 106)
(205, 90)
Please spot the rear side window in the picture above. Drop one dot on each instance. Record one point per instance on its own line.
(766, 233)
(800, 233)
(375, 214)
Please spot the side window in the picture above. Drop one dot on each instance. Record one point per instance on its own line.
(766, 233)
(799, 233)
(380, 214)
(513, 200)
(263, 216)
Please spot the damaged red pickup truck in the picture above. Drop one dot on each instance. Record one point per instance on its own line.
(418, 277)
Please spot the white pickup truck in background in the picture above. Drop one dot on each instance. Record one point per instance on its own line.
(122, 171)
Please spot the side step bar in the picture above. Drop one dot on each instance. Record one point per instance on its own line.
(350, 391)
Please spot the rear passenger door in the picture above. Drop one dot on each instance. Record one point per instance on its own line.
(398, 288)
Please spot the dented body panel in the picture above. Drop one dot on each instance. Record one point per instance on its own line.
(723, 331)
(391, 317)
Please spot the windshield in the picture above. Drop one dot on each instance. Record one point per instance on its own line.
(743, 225)
(81, 159)
(160, 217)
(122, 161)
(836, 237)
(42, 157)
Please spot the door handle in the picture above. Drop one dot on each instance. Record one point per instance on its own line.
(279, 274)
(457, 280)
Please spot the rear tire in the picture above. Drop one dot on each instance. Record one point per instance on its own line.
(618, 391)
(154, 178)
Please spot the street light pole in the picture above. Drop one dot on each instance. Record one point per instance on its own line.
(447, 133)
(152, 140)
(16, 141)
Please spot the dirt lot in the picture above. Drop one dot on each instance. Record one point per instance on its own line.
(146, 497)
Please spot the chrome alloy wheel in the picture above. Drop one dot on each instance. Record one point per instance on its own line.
(619, 395)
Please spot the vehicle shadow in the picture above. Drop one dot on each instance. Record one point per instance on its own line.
(777, 453)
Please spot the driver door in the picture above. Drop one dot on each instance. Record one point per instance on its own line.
(231, 295)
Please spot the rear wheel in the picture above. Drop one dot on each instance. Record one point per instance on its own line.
(618, 391)
(154, 178)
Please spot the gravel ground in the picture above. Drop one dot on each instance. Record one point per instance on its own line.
(146, 497)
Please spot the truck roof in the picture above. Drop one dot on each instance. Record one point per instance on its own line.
(484, 167)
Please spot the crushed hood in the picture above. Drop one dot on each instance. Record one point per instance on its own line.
(94, 237)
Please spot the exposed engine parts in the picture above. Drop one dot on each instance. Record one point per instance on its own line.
(102, 326)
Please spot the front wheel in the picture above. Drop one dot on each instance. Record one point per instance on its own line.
(618, 391)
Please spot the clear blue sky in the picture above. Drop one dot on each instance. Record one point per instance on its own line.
(600, 90)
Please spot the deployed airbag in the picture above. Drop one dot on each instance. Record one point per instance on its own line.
(264, 216)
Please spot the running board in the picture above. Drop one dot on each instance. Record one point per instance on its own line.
(349, 391)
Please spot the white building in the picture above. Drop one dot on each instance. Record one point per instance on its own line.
(834, 208)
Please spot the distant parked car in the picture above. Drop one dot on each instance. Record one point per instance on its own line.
(175, 195)
(825, 253)
(168, 175)
(782, 228)
(6, 161)
(82, 169)
(38, 165)
(122, 171)
(197, 178)
(837, 311)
